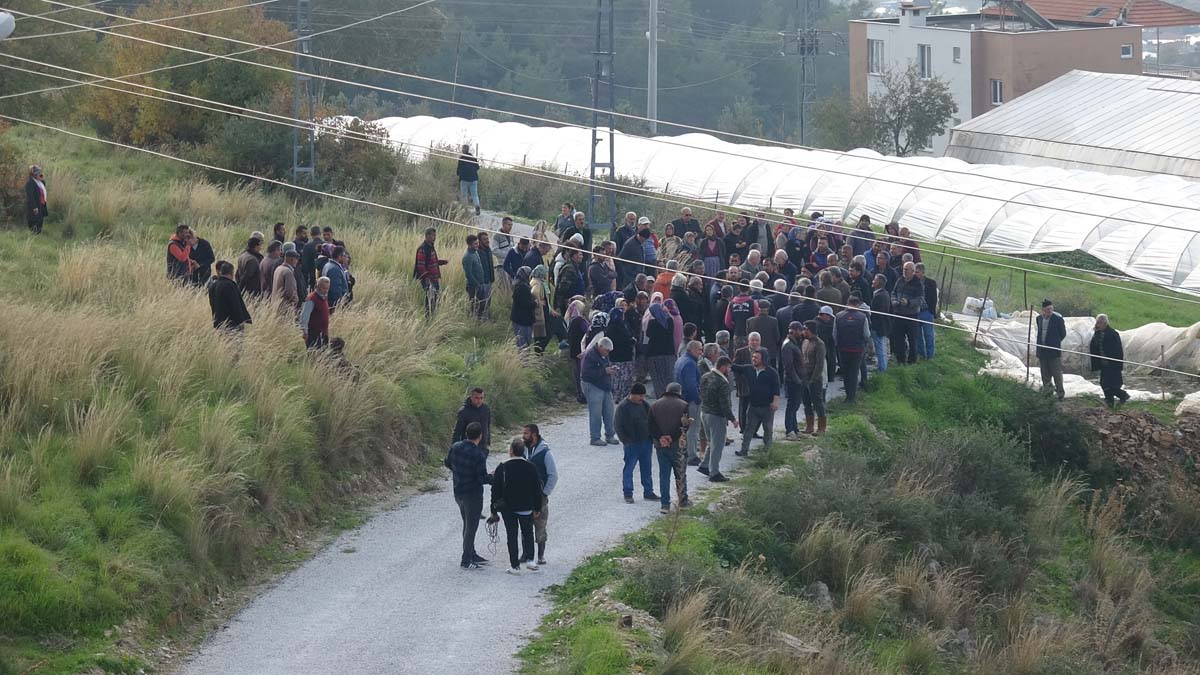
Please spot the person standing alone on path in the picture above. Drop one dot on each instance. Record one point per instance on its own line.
(1108, 356)
(516, 497)
(668, 422)
(718, 413)
(35, 199)
(1051, 330)
(468, 177)
(468, 469)
(539, 454)
(633, 428)
(428, 271)
(474, 409)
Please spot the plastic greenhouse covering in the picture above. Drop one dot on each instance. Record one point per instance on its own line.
(1148, 227)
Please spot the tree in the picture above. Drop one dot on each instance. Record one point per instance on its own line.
(909, 110)
(844, 124)
(741, 118)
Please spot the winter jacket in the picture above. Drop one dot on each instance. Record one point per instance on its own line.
(308, 261)
(667, 417)
(468, 168)
(740, 310)
(881, 304)
(515, 487)
(909, 297)
(851, 331)
(338, 284)
(1107, 343)
(542, 460)
(660, 341)
(468, 467)
(485, 261)
(594, 370)
(600, 277)
(283, 286)
(469, 413)
(714, 395)
(472, 268)
(249, 279)
(202, 254)
(768, 329)
(228, 307)
(632, 421)
(428, 267)
(513, 262)
(631, 260)
(763, 384)
(179, 256)
(524, 307)
(624, 344)
(1050, 335)
(687, 374)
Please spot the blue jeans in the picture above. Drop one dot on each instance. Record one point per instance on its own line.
(469, 190)
(600, 409)
(925, 336)
(642, 455)
(881, 347)
(671, 461)
(524, 335)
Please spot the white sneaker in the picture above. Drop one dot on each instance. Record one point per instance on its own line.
(515, 571)
(531, 566)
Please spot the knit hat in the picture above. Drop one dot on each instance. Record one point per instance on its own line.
(638, 389)
(675, 388)
(289, 247)
(826, 309)
(795, 325)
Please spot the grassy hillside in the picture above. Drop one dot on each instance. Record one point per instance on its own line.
(146, 462)
(960, 525)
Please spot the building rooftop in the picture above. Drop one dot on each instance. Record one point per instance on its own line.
(1100, 12)
(980, 21)
(1118, 124)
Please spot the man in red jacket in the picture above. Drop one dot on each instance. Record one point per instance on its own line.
(314, 317)
(428, 270)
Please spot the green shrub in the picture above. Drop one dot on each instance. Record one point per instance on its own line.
(1056, 439)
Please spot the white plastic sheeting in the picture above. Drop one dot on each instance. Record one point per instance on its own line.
(1007, 209)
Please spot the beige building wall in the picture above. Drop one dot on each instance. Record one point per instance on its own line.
(858, 60)
(1026, 61)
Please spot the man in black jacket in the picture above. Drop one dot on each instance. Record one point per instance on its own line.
(881, 321)
(516, 497)
(1051, 330)
(1108, 356)
(35, 199)
(474, 410)
(908, 299)
(309, 255)
(225, 300)
(632, 258)
(633, 429)
(468, 469)
(202, 254)
(686, 223)
(468, 177)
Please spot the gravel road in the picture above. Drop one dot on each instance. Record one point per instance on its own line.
(390, 597)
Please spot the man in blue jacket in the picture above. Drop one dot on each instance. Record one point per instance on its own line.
(596, 373)
(473, 270)
(335, 269)
(468, 469)
(687, 374)
(1051, 330)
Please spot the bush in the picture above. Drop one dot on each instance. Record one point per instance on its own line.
(1056, 439)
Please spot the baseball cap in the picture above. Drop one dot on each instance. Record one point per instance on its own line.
(643, 221)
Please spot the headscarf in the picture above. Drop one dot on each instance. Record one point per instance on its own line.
(523, 274)
(599, 320)
(655, 311)
(677, 334)
(606, 301)
(574, 310)
(616, 315)
(540, 272)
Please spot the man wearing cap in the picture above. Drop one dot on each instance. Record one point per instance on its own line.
(1051, 331)
(668, 421)
(851, 333)
(35, 199)
(283, 285)
(632, 258)
(762, 399)
(633, 429)
(649, 244)
(717, 414)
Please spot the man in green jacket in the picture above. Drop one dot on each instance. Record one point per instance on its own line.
(717, 413)
(473, 268)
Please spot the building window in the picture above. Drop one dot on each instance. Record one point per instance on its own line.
(875, 56)
(1127, 51)
(997, 92)
(925, 61)
(958, 54)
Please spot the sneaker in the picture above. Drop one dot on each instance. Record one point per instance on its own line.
(531, 566)
(480, 560)
(791, 436)
(472, 566)
(651, 497)
(614, 441)
(665, 510)
(703, 470)
(718, 478)
(541, 562)
(599, 443)
(515, 571)
(628, 499)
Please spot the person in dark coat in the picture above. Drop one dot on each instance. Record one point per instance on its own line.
(35, 199)
(1108, 355)
(632, 258)
(249, 268)
(468, 470)
(468, 177)
(203, 257)
(881, 321)
(1051, 331)
(633, 429)
(309, 255)
(228, 308)
(524, 307)
(474, 409)
(517, 497)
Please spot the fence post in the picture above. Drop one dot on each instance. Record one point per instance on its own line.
(1162, 364)
(1025, 285)
(1029, 346)
(953, 267)
(987, 291)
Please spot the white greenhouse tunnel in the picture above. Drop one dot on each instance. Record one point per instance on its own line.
(996, 208)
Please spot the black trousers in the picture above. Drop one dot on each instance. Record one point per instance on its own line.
(850, 373)
(514, 524)
(904, 340)
(469, 507)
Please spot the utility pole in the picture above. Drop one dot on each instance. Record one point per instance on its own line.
(652, 65)
(454, 87)
(304, 142)
(808, 46)
(603, 121)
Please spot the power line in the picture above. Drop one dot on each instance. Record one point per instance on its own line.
(566, 246)
(343, 133)
(126, 25)
(520, 74)
(56, 11)
(1085, 193)
(739, 71)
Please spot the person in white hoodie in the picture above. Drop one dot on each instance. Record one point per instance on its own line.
(539, 454)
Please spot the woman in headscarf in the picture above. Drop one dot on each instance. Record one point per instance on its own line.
(658, 336)
(540, 291)
(525, 309)
(712, 251)
(622, 353)
(676, 322)
(577, 327)
(688, 249)
(668, 246)
(597, 329)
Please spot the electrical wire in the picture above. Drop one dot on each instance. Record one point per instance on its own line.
(126, 25)
(739, 71)
(64, 9)
(520, 74)
(1085, 193)
(343, 133)
(438, 219)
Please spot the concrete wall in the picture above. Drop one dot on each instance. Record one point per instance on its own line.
(858, 59)
(1026, 61)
